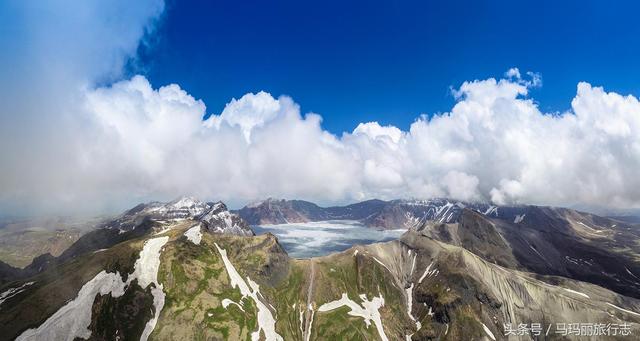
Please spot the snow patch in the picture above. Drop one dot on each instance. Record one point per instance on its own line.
(158, 303)
(369, 310)
(594, 232)
(427, 271)
(631, 273)
(266, 321)
(301, 318)
(7, 294)
(572, 260)
(147, 265)
(226, 302)
(194, 234)
(381, 263)
(413, 264)
(576, 292)
(73, 319)
(519, 218)
(308, 333)
(489, 333)
(624, 310)
(409, 292)
(538, 253)
(491, 210)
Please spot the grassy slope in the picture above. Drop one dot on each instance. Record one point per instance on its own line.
(196, 282)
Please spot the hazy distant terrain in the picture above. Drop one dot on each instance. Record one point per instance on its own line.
(21, 240)
(633, 219)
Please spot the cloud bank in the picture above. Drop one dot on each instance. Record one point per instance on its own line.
(493, 145)
(79, 146)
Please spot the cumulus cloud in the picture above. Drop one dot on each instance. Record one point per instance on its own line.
(493, 145)
(70, 144)
(250, 111)
(535, 79)
(375, 131)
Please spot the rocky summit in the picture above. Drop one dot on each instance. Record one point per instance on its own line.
(215, 216)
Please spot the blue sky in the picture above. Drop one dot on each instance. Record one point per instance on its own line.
(386, 61)
(114, 122)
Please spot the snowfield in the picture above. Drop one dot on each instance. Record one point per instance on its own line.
(73, 319)
(147, 265)
(194, 234)
(158, 303)
(146, 271)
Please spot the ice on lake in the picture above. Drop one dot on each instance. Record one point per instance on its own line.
(319, 238)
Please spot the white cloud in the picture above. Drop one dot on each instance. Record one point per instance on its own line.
(461, 185)
(495, 145)
(375, 131)
(514, 72)
(250, 111)
(514, 75)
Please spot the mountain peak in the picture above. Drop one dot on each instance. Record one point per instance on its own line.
(185, 201)
(214, 215)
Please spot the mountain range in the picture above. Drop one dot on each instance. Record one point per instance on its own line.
(189, 269)
(394, 214)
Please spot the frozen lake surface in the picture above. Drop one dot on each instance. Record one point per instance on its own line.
(319, 238)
